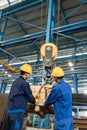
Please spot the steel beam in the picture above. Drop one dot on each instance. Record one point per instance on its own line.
(0, 23)
(62, 58)
(32, 36)
(53, 21)
(63, 13)
(21, 39)
(6, 52)
(31, 12)
(3, 86)
(0, 16)
(23, 22)
(3, 29)
(71, 37)
(76, 72)
(75, 75)
(8, 2)
(75, 83)
(20, 25)
(21, 6)
(49, 22)
(74, 10)
(27, 15)
(72, 28)
(68, 29)
(32, 44)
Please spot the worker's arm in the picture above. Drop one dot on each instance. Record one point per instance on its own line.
(29, 96)
(53, 96)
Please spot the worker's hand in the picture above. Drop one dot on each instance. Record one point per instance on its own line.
(48, 87)
(36, 96)
(44, 101)
(36, 101)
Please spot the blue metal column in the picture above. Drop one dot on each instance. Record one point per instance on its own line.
(3, 86)
(0, 16)
(53, 21)
(0, 23)
(3, 29)
(50, 37)
(75, 83)
(49, 21)
(75, 75)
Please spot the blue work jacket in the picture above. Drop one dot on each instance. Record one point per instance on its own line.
(20, 94)
(61, 98)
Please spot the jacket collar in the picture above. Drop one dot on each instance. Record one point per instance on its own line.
(61, 81)
(21, 77)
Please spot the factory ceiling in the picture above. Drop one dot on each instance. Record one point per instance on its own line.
(24, 27)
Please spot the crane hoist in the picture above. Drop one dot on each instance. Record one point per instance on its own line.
(48, 53)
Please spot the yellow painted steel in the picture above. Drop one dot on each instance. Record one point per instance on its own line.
(54, 50)
(9, 67)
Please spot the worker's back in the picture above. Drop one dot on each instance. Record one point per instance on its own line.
(19, 95)
(63, 103)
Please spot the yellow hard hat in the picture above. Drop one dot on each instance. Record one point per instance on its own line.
(57, 72)
(26, 68)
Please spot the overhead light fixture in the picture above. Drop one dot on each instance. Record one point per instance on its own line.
(59, 57)
(9, 75)
(70, 64)
(6, 72)
(85, 91)
(72, 69)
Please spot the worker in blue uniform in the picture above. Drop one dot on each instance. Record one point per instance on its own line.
(61, 98)
(20, 94)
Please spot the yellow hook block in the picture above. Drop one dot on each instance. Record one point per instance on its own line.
(48, 46)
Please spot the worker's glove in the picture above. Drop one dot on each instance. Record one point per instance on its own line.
(48, 86)
(44, 101)
(36, 96)
(36, 101)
